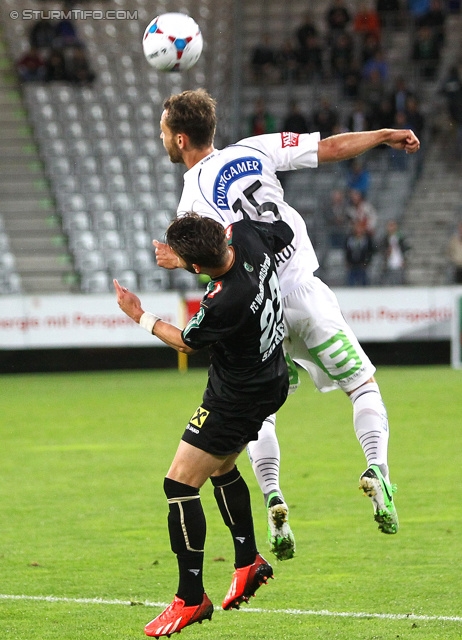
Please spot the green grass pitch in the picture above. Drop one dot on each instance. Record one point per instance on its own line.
(84, 551)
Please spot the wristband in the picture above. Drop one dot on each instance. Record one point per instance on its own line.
(148, 320)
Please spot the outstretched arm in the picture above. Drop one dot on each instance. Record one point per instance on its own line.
(168, 333)
(344, 146)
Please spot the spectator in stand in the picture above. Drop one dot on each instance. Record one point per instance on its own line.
(78, 67)
(399, 94)
(389, 12)
(414, 117)
(307, 28)
(66, 34)
(287, 62)
(376, 63)
(373, 90)
(435, 19)
(366, 20)
(358, 177)
(359, 249)
(56, 67)
(310, 58)
(263, 61)
(31, 66)
(359, 118)
(454, 253)
(396, 162)
(341, 54)
(335, 215)
(261, 121)
(383, 117)
(42, 35)
(369, 47)
(295, 120)
(351, 82)
(325, 119)
(393, 248)
(418, 8)
(337, 19)
(426, 52)
(361, 211)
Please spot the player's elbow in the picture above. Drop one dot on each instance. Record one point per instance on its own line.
(330, 149)
(185, 349)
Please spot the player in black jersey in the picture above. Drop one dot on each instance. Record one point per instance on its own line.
(240, 320)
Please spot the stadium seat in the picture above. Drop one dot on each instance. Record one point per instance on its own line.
(96, 282)
(109, 239)
(10, 283)
(134, 220)
(155, 280)
(76, 220)
(7, 261)
(141, 239)
(122, 202)
(143, 260)
(89, 261)
(116, 261)
(129, 279)
(105, 220)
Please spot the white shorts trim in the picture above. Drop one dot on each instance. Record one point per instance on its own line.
(319, 339)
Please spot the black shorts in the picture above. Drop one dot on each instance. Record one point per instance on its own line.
(222, 432)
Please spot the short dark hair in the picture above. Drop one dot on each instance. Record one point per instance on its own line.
(192, 113)
(198, 240)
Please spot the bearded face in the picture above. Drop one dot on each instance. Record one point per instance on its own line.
(169, 141)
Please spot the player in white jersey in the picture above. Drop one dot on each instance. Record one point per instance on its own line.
(240, 181)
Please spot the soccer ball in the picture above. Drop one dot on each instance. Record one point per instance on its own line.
(172, 42)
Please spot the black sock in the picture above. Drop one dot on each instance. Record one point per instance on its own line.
(186, 526)
(233, 498)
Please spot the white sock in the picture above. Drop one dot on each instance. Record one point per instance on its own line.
(264, 455)
(371, 425)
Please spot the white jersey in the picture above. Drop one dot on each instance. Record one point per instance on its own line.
(240, 182)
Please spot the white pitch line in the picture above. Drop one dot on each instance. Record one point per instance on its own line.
(296, 612)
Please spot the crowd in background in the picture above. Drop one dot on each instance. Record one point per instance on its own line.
(55, 53)
(348, 49)
(349, 45)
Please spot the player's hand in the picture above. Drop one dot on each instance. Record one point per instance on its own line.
(128, 302)
(165, 257)
(404, 139)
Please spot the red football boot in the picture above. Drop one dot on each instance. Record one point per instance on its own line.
(246, 581)
(177, 616)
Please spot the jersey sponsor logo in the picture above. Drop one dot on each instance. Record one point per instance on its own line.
(231, 172)
(289, 139)
(199, 417)
(217, 287)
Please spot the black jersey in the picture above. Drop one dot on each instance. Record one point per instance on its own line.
(240, 320)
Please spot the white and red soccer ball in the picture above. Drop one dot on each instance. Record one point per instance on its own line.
(172, 42)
